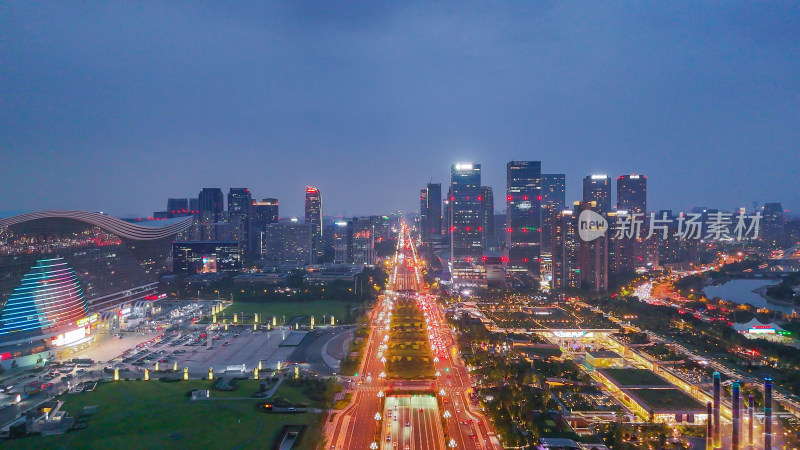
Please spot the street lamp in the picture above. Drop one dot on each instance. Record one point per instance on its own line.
(380, 394)
(452, 443)
(377, 416)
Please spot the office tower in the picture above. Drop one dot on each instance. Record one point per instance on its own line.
(423, 213)
(565, 259)
(314, 218)
(240, 202)
(597, 188)
(553, 201)
(709, 426)
(593, 257)
(288, 243)
(717, 429)
(362, 241)
(767, 413)
(736, 413)
(207, 256)
(211, 204)
(342, 241)
(523, 211)
(262, 214)
(177, 207)
(434, 208)
(772, 224)
(194, 205)
(447, 214)
(383, 231)
(465, 212)
(487, 214)
(750, 419)
(632, 194)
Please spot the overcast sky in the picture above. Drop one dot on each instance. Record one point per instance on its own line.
(117, 106)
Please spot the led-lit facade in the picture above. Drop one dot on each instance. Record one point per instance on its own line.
(59, 267)
(523, 216)
(465, 212)
(314, 219)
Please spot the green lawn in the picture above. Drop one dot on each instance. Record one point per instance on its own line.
(158, 415)
(266, 310)
(409, 355)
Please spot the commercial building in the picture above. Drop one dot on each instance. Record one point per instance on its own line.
(465, 212)
(566, 250)
(288, 243)
(354, 241)
(593, 257)
(597, 188)
(523, 210)
(211, 205)
(632, 194)
(263, 213)
(177, 207)
(60, 268)
(772, 224)
(314, 220)
(487, 217)
(206, 257)
(553, 201)
(433, 220)
(240, 202)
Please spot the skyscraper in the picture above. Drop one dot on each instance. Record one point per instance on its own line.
(423, 212)
(593, 257)
(553, 200)
(434, 207)
(523, 210)
(632, 194)
(211, 204)
(565, 260)
(314, 218)
(177, 207)
(263, 213)
(487, 214)
(240, 202)
(773, 224)
(597, 188)
(465, 212)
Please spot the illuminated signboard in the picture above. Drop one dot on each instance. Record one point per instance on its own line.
(70, 337)
(88, 320)
(571, 334)
(761, 330)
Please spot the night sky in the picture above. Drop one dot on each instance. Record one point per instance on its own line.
(117, 106)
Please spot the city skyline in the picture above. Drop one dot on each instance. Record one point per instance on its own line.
(143, 112)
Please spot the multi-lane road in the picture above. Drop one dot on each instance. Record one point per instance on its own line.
(410, 422)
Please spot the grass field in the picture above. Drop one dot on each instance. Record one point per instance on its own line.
(291, 310)
(409, 355)
(159, 415)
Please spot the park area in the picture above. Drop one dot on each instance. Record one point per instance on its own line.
(409, 355)
(286, 312)
(138, 414)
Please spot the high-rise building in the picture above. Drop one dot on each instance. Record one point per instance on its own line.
(632, 194)
(240, 202)
(206, 256)
(553, 201)
(566, 250)
(211, 204)
(423, 212)
(288, 243)
(597, 188)
(523, 210)
(593, 257)
(434, 209)
(177, 207)
(194, 205)
(447, 214)
(773, 226)
(487, 215)
(262, 214)
(314, 218)
(465, 212)
(362, 241)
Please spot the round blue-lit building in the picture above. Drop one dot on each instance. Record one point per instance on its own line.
(61, 271)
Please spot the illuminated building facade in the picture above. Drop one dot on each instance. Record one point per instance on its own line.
(263, 213)
(61, 267)
(465, 212)
(553, 201)
(487, 215)
(314, 219)
(206, 257)
(434, 210)
(597, 188)
(632, 194)
(523, 216)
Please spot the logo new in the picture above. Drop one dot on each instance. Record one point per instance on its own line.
(591, 225)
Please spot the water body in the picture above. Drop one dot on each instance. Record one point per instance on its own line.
(741, 291)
